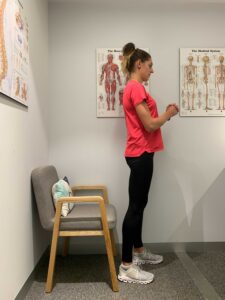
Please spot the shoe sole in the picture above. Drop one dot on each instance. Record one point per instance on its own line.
(143, 262)
(128, 280)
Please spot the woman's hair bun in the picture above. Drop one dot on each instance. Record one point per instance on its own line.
(130, 56)
(128, 49)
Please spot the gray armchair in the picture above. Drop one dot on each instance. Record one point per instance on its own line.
(91, 216)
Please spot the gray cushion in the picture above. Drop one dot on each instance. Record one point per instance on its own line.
(87, 216)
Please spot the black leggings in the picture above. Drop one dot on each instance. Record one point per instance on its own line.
(139, 183)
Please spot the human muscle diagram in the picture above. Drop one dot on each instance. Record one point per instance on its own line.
(110, 83)
(202, 82)
(14, 51)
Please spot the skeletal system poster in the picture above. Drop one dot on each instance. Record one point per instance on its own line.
(14, 52)
(110, 82)
(202, 82)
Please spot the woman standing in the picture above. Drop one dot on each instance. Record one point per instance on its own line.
(143, 140)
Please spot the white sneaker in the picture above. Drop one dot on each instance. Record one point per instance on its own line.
(134, 274)
(147, 258)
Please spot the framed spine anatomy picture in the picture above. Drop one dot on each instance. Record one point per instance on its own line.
(110, 82)
(202, 82)
(14, 51)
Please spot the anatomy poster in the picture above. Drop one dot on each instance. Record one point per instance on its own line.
(110, 82)
(202, 82)
(14, 52)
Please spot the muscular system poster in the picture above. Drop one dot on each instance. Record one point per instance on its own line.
(110, 82)
(14, 52)
(202, 82)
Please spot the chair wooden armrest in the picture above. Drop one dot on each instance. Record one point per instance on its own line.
(102, 188)
(81, 199)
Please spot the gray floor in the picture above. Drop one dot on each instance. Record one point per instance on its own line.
(181, 276)
(212, 266)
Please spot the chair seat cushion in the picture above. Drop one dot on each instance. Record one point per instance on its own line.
(87, 216)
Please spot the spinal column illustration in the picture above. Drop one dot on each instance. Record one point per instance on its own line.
(3, 57)
(220, 82)
(190, 82)
(110, 71)
(206, 72)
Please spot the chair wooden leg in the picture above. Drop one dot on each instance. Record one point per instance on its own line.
(51, 266)
(112, 268)
(113, 242)
(115, 285)
(65, 246)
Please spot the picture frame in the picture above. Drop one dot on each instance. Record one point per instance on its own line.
(202, 82)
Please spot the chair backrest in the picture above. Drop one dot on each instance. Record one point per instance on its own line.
(43, 179)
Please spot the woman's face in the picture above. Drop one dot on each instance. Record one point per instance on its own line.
(146, 69)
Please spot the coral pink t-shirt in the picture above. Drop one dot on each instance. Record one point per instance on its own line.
(138, 139)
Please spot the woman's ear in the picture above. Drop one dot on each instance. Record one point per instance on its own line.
(138, 64)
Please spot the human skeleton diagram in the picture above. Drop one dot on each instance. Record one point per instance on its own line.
(190, 82)
(110, 71)
(206, 73)
(202, 82)
(24, 92)
(17, 86)
(3, 57)
(220, 82)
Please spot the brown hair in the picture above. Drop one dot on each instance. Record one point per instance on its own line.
(130, 56)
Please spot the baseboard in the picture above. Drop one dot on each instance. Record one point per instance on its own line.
(25, 288)
(186, 246)
(99, 247)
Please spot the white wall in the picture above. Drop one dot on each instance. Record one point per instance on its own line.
(24, 146)
(187, 193)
